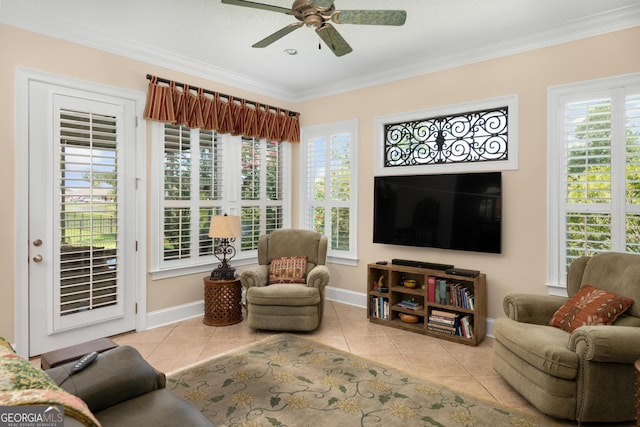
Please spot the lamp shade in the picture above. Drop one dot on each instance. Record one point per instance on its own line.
(225, 227)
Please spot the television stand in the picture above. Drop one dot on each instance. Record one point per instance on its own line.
(433, 302)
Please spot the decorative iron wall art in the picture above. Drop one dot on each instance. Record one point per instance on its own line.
(476, 136)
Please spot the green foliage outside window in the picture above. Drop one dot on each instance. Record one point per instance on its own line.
(589, 182)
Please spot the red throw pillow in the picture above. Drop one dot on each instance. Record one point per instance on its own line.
(590, 306)
(291, 269)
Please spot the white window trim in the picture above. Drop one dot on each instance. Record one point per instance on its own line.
(231, 203)
(556, 277)
(510, 101)
(351, 126)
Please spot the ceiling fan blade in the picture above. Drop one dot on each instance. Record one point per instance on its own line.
(278, 34)
(258, 6)
(325, 4)
(370, 17)
(334, 40)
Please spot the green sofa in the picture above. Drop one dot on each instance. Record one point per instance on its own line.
(587, 374)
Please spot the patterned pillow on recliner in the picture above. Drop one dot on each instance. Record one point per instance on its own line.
(590, 306)
(288, 270)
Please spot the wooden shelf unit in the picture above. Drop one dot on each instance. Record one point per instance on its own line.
(389, 314)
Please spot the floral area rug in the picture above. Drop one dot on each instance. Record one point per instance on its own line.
(286, 380)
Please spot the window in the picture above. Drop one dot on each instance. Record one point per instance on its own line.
(89, 202)
(262, 190)
(472, 137)
(200, 173)
(329, 190)
(191, 167)
(594, 183)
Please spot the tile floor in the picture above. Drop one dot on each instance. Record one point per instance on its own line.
(458, 366)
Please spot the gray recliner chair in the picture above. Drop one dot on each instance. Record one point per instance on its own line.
(287, 306)
(587, 374)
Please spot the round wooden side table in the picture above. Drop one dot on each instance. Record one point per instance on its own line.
(222, 301)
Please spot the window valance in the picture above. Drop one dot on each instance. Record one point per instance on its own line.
(180, 104)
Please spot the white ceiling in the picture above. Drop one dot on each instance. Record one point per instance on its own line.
(213, 40)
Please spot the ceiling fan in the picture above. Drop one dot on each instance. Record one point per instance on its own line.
(320, 14)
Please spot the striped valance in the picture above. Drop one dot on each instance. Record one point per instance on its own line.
(179, 104)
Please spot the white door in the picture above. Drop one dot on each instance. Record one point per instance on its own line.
(82, 279)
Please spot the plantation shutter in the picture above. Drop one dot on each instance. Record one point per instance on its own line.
(601, 137)
(177, 192)
(88, 211)
(632, 171)
(274, 186)
(198, 174)
(262, 190)
(340, 190)
(250, 192)
(316, 183)
(588, 174)
(210, 185)
(192, 191)
(329, 173)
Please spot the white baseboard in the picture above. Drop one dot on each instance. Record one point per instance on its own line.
(178, 313)
(490, 323)
(175, 314)
(343, 296)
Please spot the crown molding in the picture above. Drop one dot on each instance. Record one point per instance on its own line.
(611, 21)
(615, 20)
(84, 35)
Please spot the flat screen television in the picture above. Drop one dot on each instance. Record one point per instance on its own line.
(449, 211)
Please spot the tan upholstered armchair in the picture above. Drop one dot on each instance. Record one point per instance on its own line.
(287, 306)
(583, 375)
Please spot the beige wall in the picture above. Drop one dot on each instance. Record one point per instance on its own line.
(25, 49)
(521, 266)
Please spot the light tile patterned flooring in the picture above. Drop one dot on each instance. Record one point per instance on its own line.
(458, 366)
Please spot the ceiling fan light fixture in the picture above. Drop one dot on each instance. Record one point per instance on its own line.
(290, 51)
(319, 14)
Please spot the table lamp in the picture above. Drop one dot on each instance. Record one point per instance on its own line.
(226, 228)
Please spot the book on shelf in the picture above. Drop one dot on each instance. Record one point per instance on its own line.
(466, 327)
(443, 326)
(431, 289)
(442, 291)
(443, 313)
(435, 328)
(462, 296)
(456, 294)
(443, 320)
(411, 305)
(380, 307)
(450, 323)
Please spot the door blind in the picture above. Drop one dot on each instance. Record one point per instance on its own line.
(88, 211)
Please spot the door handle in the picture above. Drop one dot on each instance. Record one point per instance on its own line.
(37, 258)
